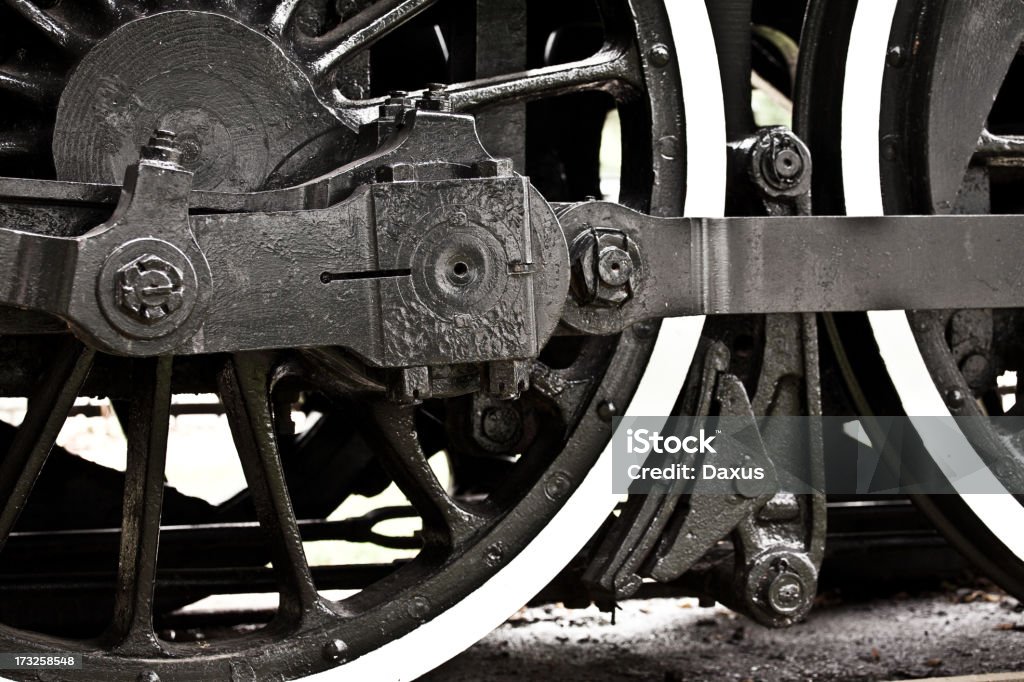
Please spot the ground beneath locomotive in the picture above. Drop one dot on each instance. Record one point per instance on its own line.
(964, 630)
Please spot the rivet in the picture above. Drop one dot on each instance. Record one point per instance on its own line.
(659, 55)
(557, 486)
(955, 398)
(335, 650)
(894, 57)
(418, 607)
(606, 410)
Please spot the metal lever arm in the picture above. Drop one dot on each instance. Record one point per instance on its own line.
(716, 266)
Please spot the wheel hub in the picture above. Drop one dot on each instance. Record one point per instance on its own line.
(239, 106)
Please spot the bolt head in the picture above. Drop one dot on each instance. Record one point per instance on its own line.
(162, 147)
(149, 289)
(501, 423)
(614, 266)
(788, 164)
(602, 269)
(786, 593)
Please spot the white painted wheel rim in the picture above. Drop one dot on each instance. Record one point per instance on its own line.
(865, 66)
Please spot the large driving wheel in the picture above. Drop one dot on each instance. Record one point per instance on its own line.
(911, 129)
(268, 94)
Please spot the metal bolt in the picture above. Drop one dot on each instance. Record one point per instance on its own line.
(501, 423)
(162, 147)
(788, 164)
(602, 268)
(335, 650)
(659, 55)
(436, 98)
(782, 163)
(975, 369)
(147, 676)
(394, 107)
(786, 593)
(149, 288)
(614, 266)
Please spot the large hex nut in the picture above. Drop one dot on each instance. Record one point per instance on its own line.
(602, 268)
(149, 288)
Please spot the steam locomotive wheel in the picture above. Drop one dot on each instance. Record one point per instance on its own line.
(483, 555)
(913, 107)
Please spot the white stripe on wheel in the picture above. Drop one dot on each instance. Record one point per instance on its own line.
(862, 98)
(461, 626)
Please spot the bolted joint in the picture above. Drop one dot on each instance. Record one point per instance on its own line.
(603, 268)
(780, 162)
(162, 147)
(497, 425)
(780, 586)
(396, 106)
(436, 98)
(149, 289)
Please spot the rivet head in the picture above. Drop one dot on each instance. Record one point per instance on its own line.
(659, 55)
(557, 486)
(335, 650)
(894, 57)
(495, 553)
(419, 607)
(606, 409)
(955, 398)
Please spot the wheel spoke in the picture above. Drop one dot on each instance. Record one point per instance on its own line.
(245, 385)
(147, 422)
(57, 30)
(17, 143)
(445, 522)
(961, 93)
(992, 148)
(326, 53)
(610, 70)
(47, 410)
(38, 87)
